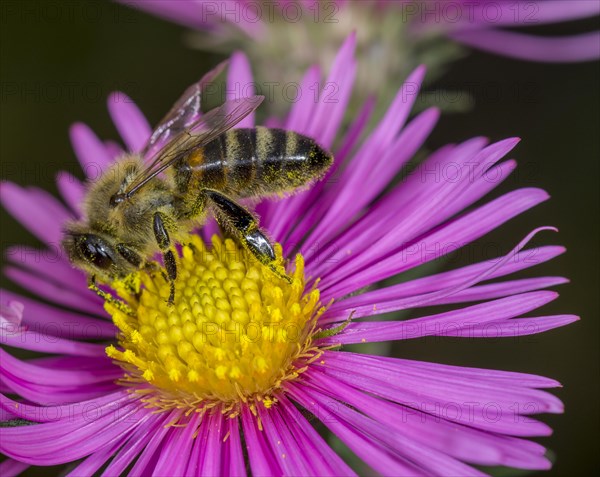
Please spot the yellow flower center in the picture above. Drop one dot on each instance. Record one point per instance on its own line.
(235, 333)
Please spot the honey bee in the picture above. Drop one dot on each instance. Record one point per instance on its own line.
(192, 163)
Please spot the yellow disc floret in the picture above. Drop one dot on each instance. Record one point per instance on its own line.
(235, 332)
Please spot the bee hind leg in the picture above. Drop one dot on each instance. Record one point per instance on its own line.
(164, 243)
(244, 226)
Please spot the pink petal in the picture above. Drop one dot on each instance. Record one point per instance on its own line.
(324, 460)
(233, 456)
(64, 441)
(144, 465)
(351, 430)
(283, 446)
(522, 260)
(447, 238)
(175, 452)
(136, 443)
(262, 461)
(431, 325)
(575, 48)
(72, 191)
(51, 344)
(93, 155)
(55, 292)
(240, 83)
(12, 468)
(54, 321)
(211, 444)
(129, 121)
(302, 111)
(37, 210)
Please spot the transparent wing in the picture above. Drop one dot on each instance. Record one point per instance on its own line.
(206, 128)
(183, 114)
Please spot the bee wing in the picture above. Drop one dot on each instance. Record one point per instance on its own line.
(206, 128)
(183, 114)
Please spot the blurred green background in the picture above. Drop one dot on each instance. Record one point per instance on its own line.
(59, 61)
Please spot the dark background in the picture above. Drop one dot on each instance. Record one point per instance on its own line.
(59, 61)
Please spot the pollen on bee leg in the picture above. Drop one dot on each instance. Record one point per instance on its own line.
(236, 332)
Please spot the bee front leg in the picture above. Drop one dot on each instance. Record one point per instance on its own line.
(237, 220)
(164, 243)
(107, 297)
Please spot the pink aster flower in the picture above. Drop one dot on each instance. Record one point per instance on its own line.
(394, 37)
(176, 397)
(477, 23)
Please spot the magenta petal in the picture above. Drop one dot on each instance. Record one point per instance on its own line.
(583, 47)
(55, 292)
(49, 320)
(438, 434)
(145, 463)
(512, 397)
(313, 202)
(492, 376)
(114, 149)
(300, 115)
(323, 459)
(523, 13)
(306, 208)
(233, 456)
(261, 458)
(441, 294)
(51, 344)
(93, 155)
(497, 290)
(176, 448)
(72, 191)
(184, 12)
(418, 215)
(54, 442)
(136, 443)
(335, 94)
(463, 318)
(400, 108)
(472, 403)
(91, 464)
(429, 459)
(240, 84)
(25, 205)
(129, 120)
(522, 260)
(371, 175)
(443, 240)
(43, 375)
(345, 207)
(515, 327)
(40, 393)
(12, 468)
(211, 444)
(52, 265)
(366, 446)
(283, 446)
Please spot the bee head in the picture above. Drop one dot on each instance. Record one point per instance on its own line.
(99, 254)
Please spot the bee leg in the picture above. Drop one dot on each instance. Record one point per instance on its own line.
(164, 243)
(237, 220)
(107, 297)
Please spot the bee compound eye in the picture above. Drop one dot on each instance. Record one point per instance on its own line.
(95, 251)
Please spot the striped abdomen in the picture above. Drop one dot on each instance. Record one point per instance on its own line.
(253, 162)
